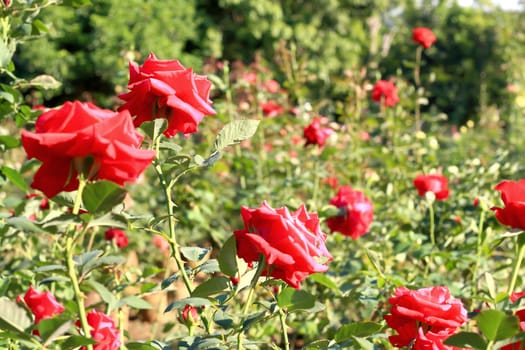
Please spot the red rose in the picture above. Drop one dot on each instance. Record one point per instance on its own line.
(165, 89)
(315, 134)
(118, 235)
(189, 315)
(513, 197)
(423, 36)
(42, 304)
(356, 213)
(272, 109)
(292, 243)
(103, 331)
(386, 92)
(77, 135)
(436, 183)
(330, 181)
(424, 317)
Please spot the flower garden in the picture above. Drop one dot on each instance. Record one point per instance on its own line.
(221, 207)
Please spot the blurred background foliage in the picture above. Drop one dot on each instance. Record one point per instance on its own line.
(309, 44)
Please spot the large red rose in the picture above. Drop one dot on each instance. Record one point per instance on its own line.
(385, 92)
(356, 213)
(77, 135)
(424, 317)
(436, 183)
(42, 304)
(166, 89)
(315, 134)
(292, 243)
(423, 36)
(103, 331)
(513, 197)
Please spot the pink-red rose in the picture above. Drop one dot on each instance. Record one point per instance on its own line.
(435, 183)
(356, 213)
(119, 236)
(272, 109)
(189, 316)
(292, 243)
(43, 305)
(513, 197)
(424, 317)
(423, 36)
(166, 89)
(103, 331)
(385, 92)
(315, 134)
(79, 135)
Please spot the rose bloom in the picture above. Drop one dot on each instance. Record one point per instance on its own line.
(356, 213)
(42, 304)
(436, 183)
(79, 135)
(513, 197)
(315, 134)
(272, 86)
(271, 109)
(103, 331)
(423, 36)
(165, 89)
(424, 317)
(119, 236)
(386, 92)
(292, 243)
(330, 181)
(189, 315)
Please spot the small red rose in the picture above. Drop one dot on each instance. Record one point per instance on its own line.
(103, 331)
(385, 92)
(436, 183)
(292, 243)
(423, 36)
(166, 89)
(513, 197)
(119, 236)
(315, 134)
(272, 109)
(356, 213)
(80, 137)
(43, 305)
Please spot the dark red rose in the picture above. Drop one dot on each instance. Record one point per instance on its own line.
(42, 304)
(292, 243)
(436, 183)
(423, 36)
(272, 109)
(424, 317)
(513, 197)
(103, 331)
(315, 134)
(385, 92)
(356, 213)
(119, 236)
(165, 89)
(77, 135)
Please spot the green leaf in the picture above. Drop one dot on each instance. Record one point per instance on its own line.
(104, 293)
(85, 258)
(193, 301)
(210, 266)
(76, 341)
(496, 325)
(105, 260)
(212, 286)
(62, 220)
(223, 319)
(102, 196)
(9, 141)
(24, 224)
(228, 257)
(155, 127)
(168, 281)
(294, 299)
(140, 346)
(7, 49)
(357, 329)
(66, 199)
(110, 220)
(194, 253)
(467, 340)
(15, 178)
(14, 318)
(52, 328)
(326, 281)
(235, 132)
(363, 343)
(46, 82)
(135, 302)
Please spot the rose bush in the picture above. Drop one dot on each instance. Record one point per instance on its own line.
(166, 89)
(356, 213)
(435, 183)
(424, 318)
(292, 243)
(80, 138)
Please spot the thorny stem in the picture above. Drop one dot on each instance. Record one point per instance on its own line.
(517, 264)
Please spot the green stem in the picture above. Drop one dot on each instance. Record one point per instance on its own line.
(70, 249)
(417, 81)
(517, 265)
(478, 251)
(432, 229)
(282, 319)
